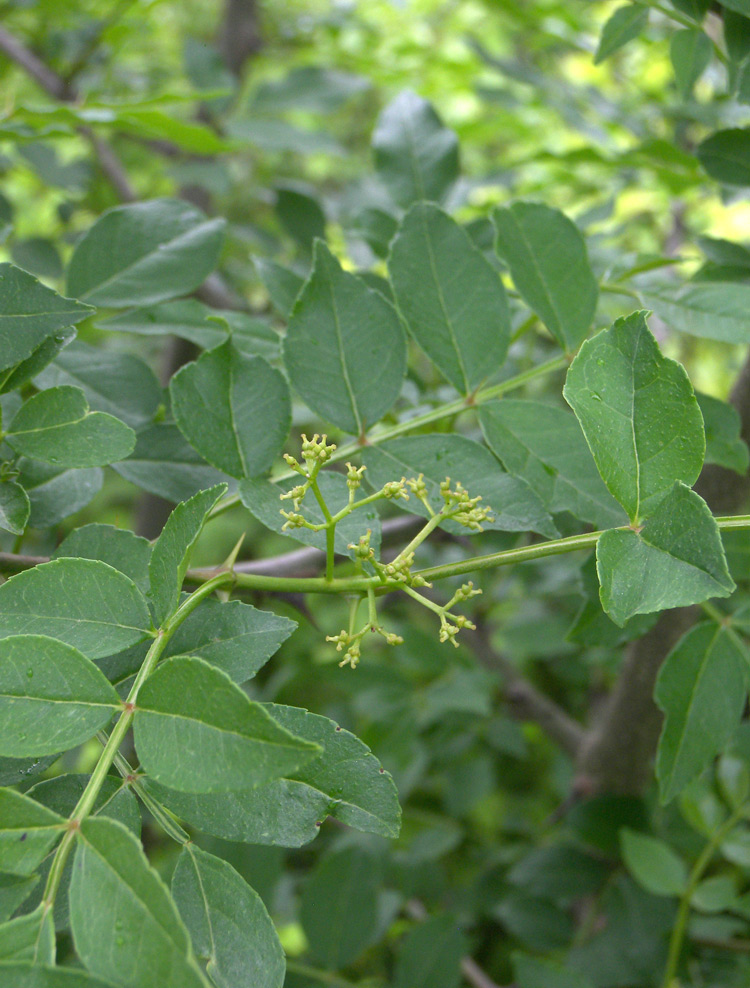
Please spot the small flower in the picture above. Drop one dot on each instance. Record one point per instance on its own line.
(354, 476)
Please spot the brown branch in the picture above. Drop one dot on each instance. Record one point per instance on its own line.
(525, 700)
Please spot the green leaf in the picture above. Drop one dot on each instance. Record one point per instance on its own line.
(416, 155)
(117, 899)
(345, 349)
(451, 297)
(282, 284)
(690, 51)
(675, 560)
(225, 741)
(28, 938)
(515, 506)
(55, 494)
(431, 955)
(725, 155)
(543, 445)
(22, 373)
(309, 87)
(653, 864)
(144, 253)
(18, 771)
(697, 9)
(638, 413)
(28, 832)
(57, 427)
(714, 311)
(739, 6)
(163, 463)
(83, 602)
(531, 972)
(338, 911)
(701, 689)
(261, 497)
(14, 507)
(625, 24)
(300, 214)
(116, 383)
(52, 697)
(234, 410)
(549, 264)
(39, 976)
(171, 552)
(14, 891)
(345, 781)
(235, 637)
(724, 444)
(119, 548)
(30, 313)
(228, 924)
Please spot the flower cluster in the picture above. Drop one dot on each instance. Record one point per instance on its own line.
(462, 508)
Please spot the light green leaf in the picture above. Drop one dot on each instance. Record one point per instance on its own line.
(515, 506)
(116, 383)
(675, 560)
(725, 155)
(228, 924)
(39, 976)
(724, 444)
(57, 427)
(625, 24)
(185, 317)
(638, 413)
(714, 311)
(29, 938)
(261, 497)
(690, 51)
(165, 464)
(83, 602)
(543, 445)
(171, 552)
(117, 899)
(431, 955)
(235, 637)
(234, 410)
(28, 832)
(30, 313)
(338, 911)
(345, 781)
(451, 297)
(14, 891)
(701, 689)
(416, 155)
(653, 864)
(345, 349)
(549, 264)
(14, 507)
(196, 731)
(54, 493)
(144, 253)
(119, 548)
(52, 697)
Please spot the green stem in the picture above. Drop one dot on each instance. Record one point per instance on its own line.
(422, 534)
(330, 529)
(88, 797)
(168, 824)
(384, 433)
(324, 977)
(619, 290)
(683, 914)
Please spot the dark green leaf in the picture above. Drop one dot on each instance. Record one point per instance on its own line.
(625, 24)
(57, 427)
(549, 264)
(115, 800)
(701, 689)
(515, 506)
(726, 156)
(714, 311)
(431, 955)
(39, 976)
(29, 313)
(14, 507)
(345, 349)
(117, 547)
(235, 410)
(530, 972)
(308, 87)
(676, 559)
(690, 51)
(22, 373)
(171, 552)
(226, 741)
(451, 297)
(235, 637)
(186, 318)
(55, 494)
(144, 253)
(14, 891)
(638, 413)
(117, 899)
(300, 214)
(83, 602)
(227, 921)
(27, 832)
(338, 907)
(282, 284)
(345, 781)
(724, 444)
(37, 255)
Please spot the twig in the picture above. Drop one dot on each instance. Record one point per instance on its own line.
(47, 78)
